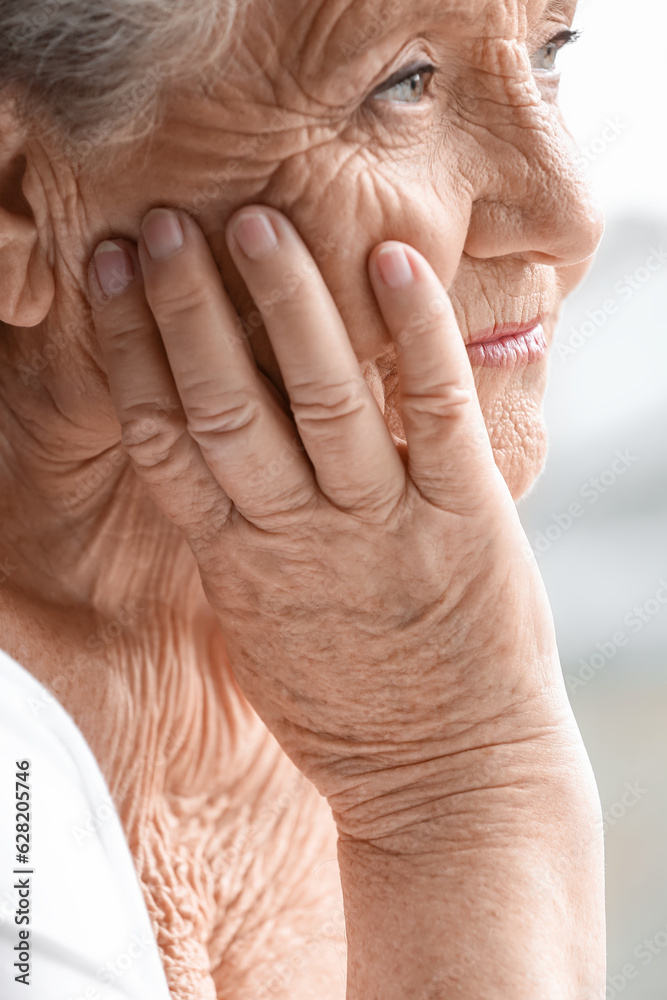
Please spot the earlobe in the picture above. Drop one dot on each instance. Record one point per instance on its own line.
(26, 280)
(27, 285)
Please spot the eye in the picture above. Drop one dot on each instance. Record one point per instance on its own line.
(545, 58)
(407, 85)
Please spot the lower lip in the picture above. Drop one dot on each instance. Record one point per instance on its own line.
(511, 350)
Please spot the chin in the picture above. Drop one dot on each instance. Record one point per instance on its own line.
(512, 405)
(520, 443)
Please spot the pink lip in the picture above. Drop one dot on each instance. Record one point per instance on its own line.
(508, 345)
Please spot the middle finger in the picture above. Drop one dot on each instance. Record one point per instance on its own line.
(356, 462)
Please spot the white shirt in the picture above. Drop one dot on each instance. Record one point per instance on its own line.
(90, 936)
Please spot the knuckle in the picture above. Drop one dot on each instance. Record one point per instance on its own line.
(206, 528)
(445, 400)
(289, 507)
(175, 302)
(121, 329)
(285, 293)
(150, 437)
(426, 321)
(370, 504)
(314, 404)
(213, 413)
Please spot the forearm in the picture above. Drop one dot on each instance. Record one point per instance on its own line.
(500, 896)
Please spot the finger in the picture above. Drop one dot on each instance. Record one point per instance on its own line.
(339, 422)
(247, 440)
(144, 394)
(450, 458)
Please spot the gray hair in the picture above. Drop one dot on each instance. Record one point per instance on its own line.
(98, 68)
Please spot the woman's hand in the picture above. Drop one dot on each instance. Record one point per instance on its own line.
(380, 605)
(382, 610)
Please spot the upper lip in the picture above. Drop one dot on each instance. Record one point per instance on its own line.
(505, 330)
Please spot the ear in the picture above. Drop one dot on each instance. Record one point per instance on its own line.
(26, 277)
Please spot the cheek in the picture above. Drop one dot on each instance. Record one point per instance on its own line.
(343, 212)
(341, 221)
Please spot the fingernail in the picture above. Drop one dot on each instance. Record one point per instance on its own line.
(394, 267)
(163, 233)
(255, 234)
(113, 267)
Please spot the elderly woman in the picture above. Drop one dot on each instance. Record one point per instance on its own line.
(279, 283)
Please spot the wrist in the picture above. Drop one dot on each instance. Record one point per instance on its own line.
(464, 794)
(502, 887)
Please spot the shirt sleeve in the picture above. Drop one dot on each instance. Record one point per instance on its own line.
(73, 922)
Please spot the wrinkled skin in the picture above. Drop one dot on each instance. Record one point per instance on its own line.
(479, 178)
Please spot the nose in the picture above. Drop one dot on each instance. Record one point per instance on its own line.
(531, 199)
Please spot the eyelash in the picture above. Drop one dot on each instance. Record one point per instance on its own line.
(563, 38)
(405, 76)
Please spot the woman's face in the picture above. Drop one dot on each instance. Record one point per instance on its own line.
(462, 154)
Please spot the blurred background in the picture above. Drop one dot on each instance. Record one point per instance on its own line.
(597, 517)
